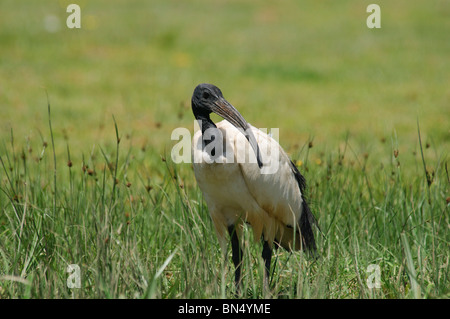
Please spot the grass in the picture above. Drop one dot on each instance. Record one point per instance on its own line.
(137, 234)
(86, 176)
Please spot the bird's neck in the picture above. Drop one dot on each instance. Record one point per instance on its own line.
(205, 123)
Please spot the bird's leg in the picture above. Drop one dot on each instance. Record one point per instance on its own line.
(267, 257)
(236, 255)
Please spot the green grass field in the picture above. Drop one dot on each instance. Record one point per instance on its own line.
(363, 112)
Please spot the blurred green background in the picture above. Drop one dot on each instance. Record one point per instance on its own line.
(311, 68)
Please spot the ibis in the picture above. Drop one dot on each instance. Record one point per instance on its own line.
(231, 161)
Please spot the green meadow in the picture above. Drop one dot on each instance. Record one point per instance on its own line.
(87, 179)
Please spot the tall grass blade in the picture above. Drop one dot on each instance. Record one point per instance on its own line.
(410, 268)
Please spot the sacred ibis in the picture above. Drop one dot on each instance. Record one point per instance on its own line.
(246, 177)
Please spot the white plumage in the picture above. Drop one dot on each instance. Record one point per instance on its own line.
(238, 192)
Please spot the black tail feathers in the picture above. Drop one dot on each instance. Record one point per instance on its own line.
(307, 218)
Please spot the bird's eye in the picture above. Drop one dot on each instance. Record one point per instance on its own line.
(205, 95)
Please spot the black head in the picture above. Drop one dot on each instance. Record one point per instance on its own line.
(204, 98)
(208, 98)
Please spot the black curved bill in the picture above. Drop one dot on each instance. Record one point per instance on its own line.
(223, 108)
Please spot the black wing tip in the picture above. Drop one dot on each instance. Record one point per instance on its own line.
(307, 219)
(299, 177)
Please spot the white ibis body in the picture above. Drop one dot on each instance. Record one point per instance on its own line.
(236, 188)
